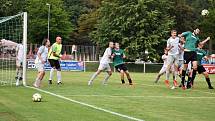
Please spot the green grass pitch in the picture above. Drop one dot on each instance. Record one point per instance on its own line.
(145, 100)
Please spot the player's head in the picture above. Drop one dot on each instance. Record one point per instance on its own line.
(46, 42)
(58, 39)
(196, 31)
(173, 33)
(116, 45)
(111, 44)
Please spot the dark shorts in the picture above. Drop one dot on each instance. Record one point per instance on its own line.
(189, 56)
(54, 64)
(201, 69)
(121, 67)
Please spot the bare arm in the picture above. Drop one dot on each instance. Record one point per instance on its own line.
(207, 39)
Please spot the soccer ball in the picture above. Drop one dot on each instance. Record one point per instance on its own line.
(205, 12)
(37, 97)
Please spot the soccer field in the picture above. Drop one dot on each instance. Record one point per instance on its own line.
(144, 100)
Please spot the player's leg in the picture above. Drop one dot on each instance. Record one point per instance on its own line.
(109, 73)
(175, 72)
(100, 68)
(183, 74)
(170, 60)
(40, 75)
(202, 70)
(194, 70)
(59, 79)
(18, 72)
(125, 69)
(162, 72)
(51, 62)
(122, 76)
(129, 77)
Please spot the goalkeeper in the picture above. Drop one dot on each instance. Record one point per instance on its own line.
(54, 56)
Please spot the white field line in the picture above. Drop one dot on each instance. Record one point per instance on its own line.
(87, 105)
(139, 96)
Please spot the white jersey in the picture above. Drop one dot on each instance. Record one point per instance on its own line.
(43, 50)
(181, 53)
(173, 43)
(106, 56)
(20, 52)
(164, 58)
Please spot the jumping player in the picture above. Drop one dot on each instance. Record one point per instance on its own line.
(104, 65)
(54, 56)
(190, 53)
(118, 56)
(40, 61)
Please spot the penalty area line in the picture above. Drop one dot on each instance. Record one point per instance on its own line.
(87, 105)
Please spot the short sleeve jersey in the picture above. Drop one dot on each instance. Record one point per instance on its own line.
(118, 58)
(55, 48)
(191, 41)
(200, 54)
(106, 56)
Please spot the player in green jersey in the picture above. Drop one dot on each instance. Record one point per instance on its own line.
(200, 68)
(190, 54)
(118, 56)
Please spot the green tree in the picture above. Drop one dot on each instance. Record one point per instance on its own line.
(138, 25)
(37, 15)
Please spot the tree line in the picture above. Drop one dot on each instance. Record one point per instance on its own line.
(141, 26)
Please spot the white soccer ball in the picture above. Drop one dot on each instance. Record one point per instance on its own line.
(37, 97)
(205, 12)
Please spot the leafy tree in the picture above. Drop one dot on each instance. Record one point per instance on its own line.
(138, 25)
(38, 14)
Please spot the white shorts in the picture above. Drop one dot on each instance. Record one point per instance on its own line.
(40, 67)
(172, 59)
(105, 67)
(18, 63)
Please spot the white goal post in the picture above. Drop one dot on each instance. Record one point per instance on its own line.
(13, 49)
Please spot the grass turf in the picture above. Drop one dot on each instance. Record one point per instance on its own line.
(144, 100)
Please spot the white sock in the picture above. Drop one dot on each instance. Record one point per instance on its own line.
(175, 74)
(37, 81)
(58, 76)
(106, 79)
(167, 74)
(51, 74)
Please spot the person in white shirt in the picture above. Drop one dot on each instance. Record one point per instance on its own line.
(104, 65)
(40, 61)
(19, 61)
(163, 69)
(173, 52)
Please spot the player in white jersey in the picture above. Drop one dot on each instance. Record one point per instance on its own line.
(19, 61)
(164, 67)
(40, 61)
(104, 65)
(172, 59)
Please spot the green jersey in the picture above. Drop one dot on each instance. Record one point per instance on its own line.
(118, 58)
(200, 54)
(191, 41)
(55, 48)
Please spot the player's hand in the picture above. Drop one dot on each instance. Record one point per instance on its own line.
(208, 38)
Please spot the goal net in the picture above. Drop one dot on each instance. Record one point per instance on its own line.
(13, 47)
